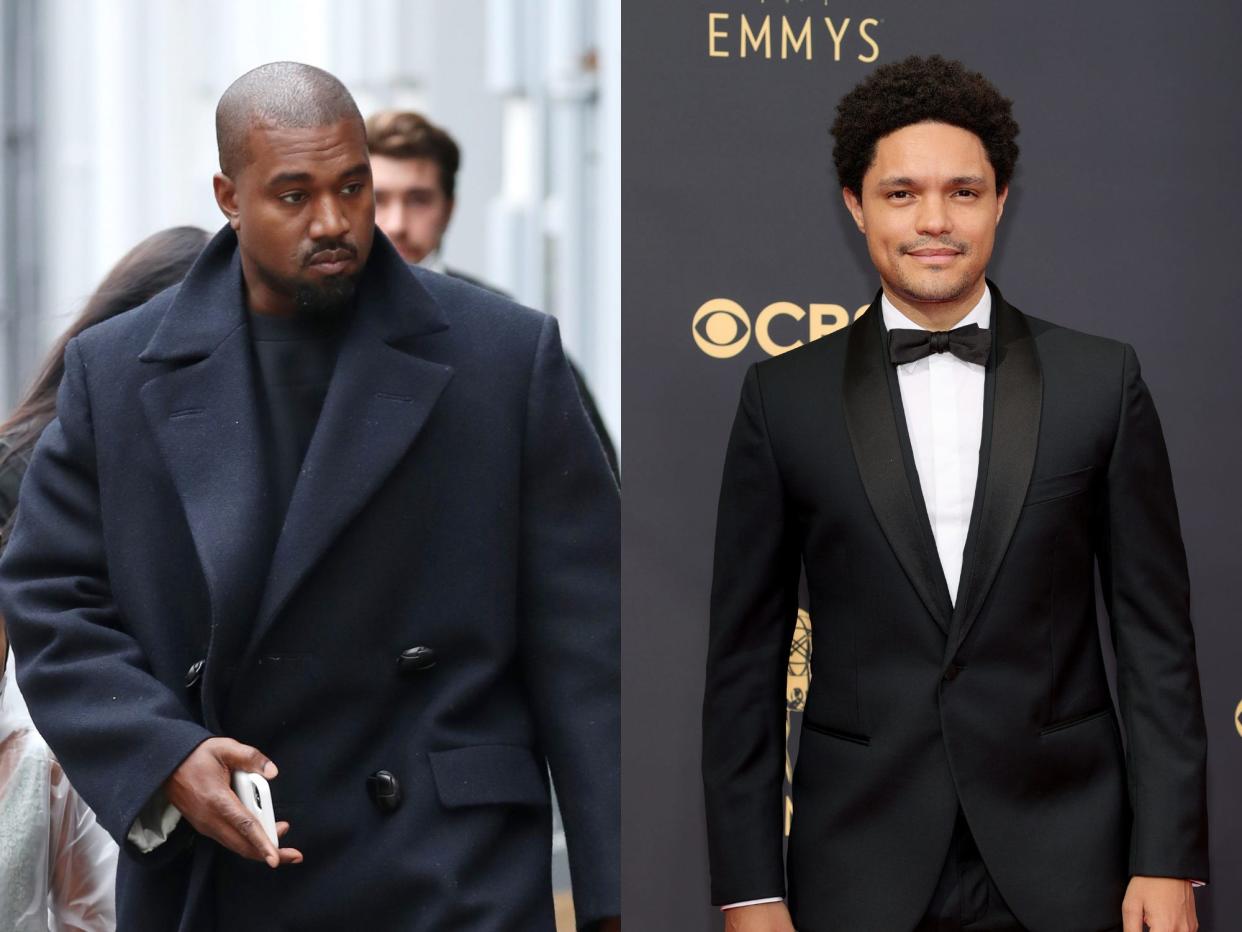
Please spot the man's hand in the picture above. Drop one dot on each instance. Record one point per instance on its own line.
(1165, 904)
(762, 917)
(201, 789)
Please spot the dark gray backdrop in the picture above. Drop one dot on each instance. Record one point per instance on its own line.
(1124, 219)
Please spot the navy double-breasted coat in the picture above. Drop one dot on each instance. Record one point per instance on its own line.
(454, 498)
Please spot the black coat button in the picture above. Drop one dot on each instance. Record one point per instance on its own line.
(416, 659)
(194, 674)
(384, 790)
(951, 674)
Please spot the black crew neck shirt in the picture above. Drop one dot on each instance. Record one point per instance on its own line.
(294, 360)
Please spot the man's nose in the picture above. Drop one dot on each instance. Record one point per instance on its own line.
(933, 217)
(330, 220)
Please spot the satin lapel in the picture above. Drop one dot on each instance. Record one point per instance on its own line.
(1010, 458)
(378, 401)
(871, 417)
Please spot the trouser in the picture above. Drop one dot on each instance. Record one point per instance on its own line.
(965, 898)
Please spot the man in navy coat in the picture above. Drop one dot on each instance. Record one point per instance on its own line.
(315, 509)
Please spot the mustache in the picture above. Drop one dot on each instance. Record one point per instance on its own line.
(942, 243)
(329, 251)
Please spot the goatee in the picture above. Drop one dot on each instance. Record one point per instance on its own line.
(325, 301)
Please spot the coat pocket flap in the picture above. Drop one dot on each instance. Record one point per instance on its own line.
(489, 774)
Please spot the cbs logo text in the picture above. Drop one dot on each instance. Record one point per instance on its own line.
(722, 328)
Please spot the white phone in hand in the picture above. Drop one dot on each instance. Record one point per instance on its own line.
(255, 794)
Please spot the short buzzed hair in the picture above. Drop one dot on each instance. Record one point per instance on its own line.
(284, 94)
(404, 134)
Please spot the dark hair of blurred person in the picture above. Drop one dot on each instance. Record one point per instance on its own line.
(158, 262)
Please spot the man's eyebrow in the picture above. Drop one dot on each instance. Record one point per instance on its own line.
(902, 181)
(304, 177)
(288, 178)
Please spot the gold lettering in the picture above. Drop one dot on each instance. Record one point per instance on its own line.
(862, 310)
(788, 37)
(713, 34)
(827, 318)
(753, 39)
(837, 36)
(764, 321)
(862, 31)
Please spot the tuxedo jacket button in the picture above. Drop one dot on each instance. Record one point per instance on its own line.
(194, 674)
(416, 659)
(385, 790)
(951, 674)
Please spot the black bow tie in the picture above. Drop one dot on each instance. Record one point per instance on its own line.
(970, 343)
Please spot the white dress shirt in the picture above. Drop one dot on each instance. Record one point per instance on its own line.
(943, 401)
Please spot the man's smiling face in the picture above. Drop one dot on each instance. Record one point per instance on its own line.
(929, 209)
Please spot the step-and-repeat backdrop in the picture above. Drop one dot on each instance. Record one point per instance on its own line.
(1124, 219)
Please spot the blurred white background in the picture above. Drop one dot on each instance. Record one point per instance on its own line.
(107, 108)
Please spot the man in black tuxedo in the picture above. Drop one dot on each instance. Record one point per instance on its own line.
(949, 471)
(317, 510)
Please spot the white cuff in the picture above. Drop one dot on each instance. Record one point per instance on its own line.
(770, 899)
(154, 823)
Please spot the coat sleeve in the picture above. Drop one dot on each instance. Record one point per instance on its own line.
(754, 607)
(1146, 591)
(117, 730)
(570, 609)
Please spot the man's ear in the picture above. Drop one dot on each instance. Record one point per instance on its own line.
(448, 214)
(1001, 196)
(226, 198)
(854, 206)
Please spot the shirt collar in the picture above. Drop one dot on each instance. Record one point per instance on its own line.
(980, 314)
(434, 260)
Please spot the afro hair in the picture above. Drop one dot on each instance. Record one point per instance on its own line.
(918, 90)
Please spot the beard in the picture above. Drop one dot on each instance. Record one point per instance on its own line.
(330, 299)
(324, 299)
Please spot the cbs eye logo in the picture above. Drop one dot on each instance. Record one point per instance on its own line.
(721, 328)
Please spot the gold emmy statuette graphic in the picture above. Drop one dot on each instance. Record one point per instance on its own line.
(1237, 720)
(796, 686)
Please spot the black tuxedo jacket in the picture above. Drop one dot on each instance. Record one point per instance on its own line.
(999, 703)
(454, 499)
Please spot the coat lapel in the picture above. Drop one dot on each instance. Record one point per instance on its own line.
(1011, 437)
(871, 412)
(205, 420)
(379, 399)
